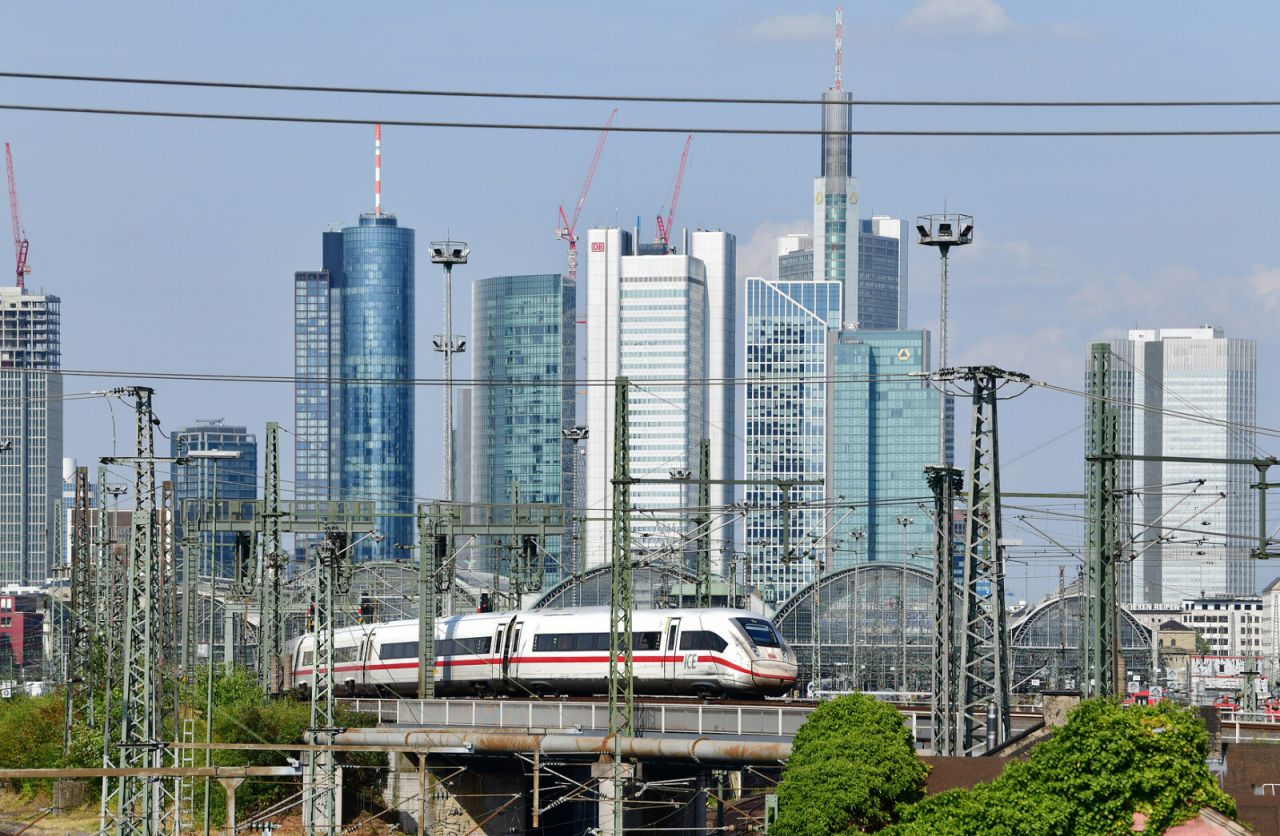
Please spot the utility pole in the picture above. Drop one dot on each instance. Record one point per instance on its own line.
(433, 551)
(944, 231)
(140, 799)
(1100, 637)
(577, 562)
(320, 806)
(621, 600)
(944, 482)
(984, 675)
(271, 624)
(79, 680)
(448, 253)
(702, 526)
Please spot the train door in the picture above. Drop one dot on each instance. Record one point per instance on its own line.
(498, 658)
(511, 659)
(671, 650)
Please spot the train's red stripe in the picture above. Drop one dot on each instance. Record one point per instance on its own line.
(555, 660)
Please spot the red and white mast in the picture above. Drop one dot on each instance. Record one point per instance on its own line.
(377, 169)
(839, 47)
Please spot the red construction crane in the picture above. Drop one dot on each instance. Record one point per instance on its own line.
(568, 230)
(664, 229)
(20, 243)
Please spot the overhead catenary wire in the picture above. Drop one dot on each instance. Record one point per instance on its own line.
(642, 129)
(608, 97)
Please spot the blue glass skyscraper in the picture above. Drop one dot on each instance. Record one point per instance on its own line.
(882, 425)
(235, 479)
(353, 399)
(523, 364)
(787, 327)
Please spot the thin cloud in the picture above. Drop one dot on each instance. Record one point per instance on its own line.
(971, 17)
(788, 29)
(759, 255)
(983, 19)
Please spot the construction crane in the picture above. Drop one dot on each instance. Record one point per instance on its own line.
(568, 230)
(20, 243)
(664, 229)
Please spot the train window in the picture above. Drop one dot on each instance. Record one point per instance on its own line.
(702, 640)
(306, 659)
(399, 650)
(344, 654)
(552, 642)
(760, 631)
(474, 646)
(645, 641)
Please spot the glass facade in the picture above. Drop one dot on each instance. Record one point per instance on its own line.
(662, 349)
(523, 338)
(376, 436)
(787, 327)
(1212, 381)
(234, 479)
(882, 273)
(353, 400)
(31, 423)
(883, 425)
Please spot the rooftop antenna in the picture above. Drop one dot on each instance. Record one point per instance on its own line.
(377, 169)
(839, 46)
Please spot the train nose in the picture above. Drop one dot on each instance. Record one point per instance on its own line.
(773, 674)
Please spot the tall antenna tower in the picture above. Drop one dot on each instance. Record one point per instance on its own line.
(377, 169)
(839, 85)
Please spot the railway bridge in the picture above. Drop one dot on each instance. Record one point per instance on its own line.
(504, 766)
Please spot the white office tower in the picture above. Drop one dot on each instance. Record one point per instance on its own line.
(666, 322)
(1186, 392)
(30, 435)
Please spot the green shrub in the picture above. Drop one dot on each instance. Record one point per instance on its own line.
(1105, 764)
(852, 767)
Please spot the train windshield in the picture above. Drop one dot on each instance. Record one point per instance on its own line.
(760, 632)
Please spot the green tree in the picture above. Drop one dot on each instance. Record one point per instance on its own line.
(852, 768)
(1107, 763)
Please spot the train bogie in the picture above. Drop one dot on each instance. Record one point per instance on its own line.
(709, 652)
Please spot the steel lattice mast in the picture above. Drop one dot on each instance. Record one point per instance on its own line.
(1100, 636)
(139, 808)
(83, 632)
(621, 600)
(271, 631)
(984, 675)
(945, 482)
(320, 804)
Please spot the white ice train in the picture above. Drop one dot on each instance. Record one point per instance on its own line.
(697, 652)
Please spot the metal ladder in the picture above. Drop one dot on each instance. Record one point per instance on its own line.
(187, 786)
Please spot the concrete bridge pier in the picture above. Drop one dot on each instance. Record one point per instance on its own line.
(484, 795)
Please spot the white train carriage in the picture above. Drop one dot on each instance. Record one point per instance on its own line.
(704, 652)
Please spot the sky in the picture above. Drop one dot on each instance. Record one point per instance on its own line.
(173, 243)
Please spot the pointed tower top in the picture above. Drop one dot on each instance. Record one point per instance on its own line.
(839, 47)
(377, 169)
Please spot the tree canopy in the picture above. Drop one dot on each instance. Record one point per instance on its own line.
(853, 766)
(1107, 763)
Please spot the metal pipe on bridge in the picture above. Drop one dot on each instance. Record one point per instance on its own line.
(697, 750)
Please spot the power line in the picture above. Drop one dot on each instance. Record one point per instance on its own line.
(601, 97)
(649, 129)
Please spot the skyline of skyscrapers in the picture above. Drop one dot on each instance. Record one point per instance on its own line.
(1182, 515)
(523, 343)
(223, 479)
(31, 433)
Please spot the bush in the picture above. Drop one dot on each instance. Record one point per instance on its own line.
(852, 768)
(1107, 763)
(31, 736)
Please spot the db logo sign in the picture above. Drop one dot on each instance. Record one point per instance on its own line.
(597, 247)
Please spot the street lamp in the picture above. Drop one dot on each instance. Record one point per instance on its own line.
(448, 253)
(944, 231)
